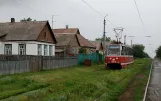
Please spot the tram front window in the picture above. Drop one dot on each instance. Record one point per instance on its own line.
(114, 50)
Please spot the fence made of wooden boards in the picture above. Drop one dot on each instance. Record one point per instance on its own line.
(20, 64)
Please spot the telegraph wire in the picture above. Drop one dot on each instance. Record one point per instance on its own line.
(96, 11)
(92, 8)
(139, 15)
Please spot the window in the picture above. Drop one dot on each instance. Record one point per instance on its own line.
(45, 50)
(39, 49)
(8, 49)
(22, 49)
(50, 50)
(73, 50)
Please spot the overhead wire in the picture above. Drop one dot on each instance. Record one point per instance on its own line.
(140, 15)
(97, 11)
(92, 8)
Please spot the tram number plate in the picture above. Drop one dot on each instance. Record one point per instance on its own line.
(113, 61)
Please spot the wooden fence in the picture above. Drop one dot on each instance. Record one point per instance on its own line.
(20, 64)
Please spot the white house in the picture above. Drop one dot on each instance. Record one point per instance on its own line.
(27, 38)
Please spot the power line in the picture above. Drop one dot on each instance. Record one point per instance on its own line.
(92, 8)
(139, 15)
(96, 11)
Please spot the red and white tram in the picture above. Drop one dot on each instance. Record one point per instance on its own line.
(118, 56)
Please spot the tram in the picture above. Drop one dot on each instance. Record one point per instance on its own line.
(118, 56)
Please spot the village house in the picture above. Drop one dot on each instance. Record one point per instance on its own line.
(99, 45)
(100, 48)
(27, 38)
(70, 41)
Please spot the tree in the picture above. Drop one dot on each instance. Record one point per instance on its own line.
(158, 52)
(27, 19)
(106, 39)
(146, 55)
(138, 51)
(83, 50)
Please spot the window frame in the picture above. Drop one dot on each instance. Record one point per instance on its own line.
(39, 49)
(73, 50)
(46, 50)
(50, 50)
(22, 49)
(7, 52)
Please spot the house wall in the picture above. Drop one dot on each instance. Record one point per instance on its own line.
(31, 47)
(46, 35)
(1, 48)
(72, 51)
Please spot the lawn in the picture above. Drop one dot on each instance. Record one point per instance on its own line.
(75, 83)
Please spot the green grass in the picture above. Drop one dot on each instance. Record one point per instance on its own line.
(10, 86)
(139, 90)
(75, 83)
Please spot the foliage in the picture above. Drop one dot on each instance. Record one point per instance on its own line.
(158, 52)
(106, 39)
(83, 50)
(27, 19)
(138, 51)
(79, 83)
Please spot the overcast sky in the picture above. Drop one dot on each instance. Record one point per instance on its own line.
(77, 14)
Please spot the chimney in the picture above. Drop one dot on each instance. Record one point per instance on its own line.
(12, 20)
(67, 26)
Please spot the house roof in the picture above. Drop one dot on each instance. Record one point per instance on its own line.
(84, 42)
(66, 31)
(70, 32)
(97, 44)
(64, 39)
(25, 30)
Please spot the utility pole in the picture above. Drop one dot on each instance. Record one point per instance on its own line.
(125, 39)
(131, 39)
(52, 21)
(104, 35)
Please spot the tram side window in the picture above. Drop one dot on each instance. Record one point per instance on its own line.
(123, 51)
(127, 50)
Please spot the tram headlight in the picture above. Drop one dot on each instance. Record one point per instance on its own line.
(117, 58)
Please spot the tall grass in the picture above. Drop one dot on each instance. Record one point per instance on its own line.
(78, 83)
(10, 86)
